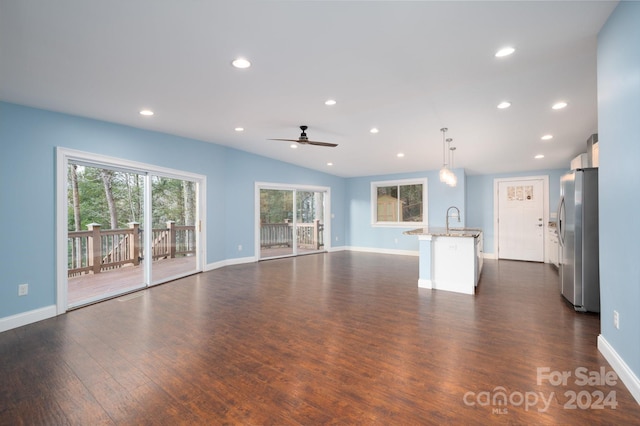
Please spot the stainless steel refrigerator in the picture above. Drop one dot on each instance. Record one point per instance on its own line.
(578, 235)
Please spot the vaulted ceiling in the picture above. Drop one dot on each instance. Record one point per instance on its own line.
(405, 68)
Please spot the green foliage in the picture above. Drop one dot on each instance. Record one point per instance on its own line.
(172, 199)
(276, 206)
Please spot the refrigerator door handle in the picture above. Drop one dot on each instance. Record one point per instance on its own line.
(560, 225)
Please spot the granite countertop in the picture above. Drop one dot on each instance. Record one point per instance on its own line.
(442, 232)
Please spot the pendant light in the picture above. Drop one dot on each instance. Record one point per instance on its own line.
(453, 180)
(444, 172)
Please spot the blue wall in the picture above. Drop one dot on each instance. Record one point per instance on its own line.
(619, 179)
(243, 170)
(27, 191)
(27, 195)
(361, 234)
(480, 199)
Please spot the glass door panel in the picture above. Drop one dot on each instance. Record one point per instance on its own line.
(104, 245)
(277, 223)
(173, 240)
(309, 221)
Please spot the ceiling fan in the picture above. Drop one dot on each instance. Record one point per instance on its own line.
(304, 140)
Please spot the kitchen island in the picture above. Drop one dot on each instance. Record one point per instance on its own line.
(450, 259)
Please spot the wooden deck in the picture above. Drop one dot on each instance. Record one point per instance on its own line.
(88, 288)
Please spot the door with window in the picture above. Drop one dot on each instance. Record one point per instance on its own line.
(521, 208)
(127, 227)
(291, 220)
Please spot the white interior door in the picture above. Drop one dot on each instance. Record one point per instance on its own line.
(521, 220)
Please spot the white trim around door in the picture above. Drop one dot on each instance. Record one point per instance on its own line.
(282, 186)
(545, 218)
(64, 156)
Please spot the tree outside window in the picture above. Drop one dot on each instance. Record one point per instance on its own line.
(399, 202)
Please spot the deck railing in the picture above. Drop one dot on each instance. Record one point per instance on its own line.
(97, 250)
(309, 235)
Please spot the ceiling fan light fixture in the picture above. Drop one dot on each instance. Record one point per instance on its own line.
(293, 146)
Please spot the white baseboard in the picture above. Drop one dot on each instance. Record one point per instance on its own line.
(424, 283)
(228, 262)
(384, 251)
(621, 368)
(24, 318)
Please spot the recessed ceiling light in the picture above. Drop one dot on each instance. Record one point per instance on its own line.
(374, 130)
(241, 63)
(146, 112)
(294, 145)
(330, 102)
(503, 105)
(559, 105)
(505, 51)
(329, 164)
(539, 156)
(239, 129)
(547, 137)
(400, 154)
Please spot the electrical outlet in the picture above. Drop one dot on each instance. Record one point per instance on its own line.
(616, 320)
(23, 289)
(239, 247)
(337, 238)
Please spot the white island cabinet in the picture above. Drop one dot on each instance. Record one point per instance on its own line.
(450, 260)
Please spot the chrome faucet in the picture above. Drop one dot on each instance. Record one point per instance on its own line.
(449, 209)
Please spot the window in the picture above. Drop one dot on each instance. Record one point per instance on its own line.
(401, 202)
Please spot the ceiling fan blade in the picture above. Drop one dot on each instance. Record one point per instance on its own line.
(304, 140)
(332, 145)
(286, 140)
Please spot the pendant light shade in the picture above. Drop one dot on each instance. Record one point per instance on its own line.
(444, 172)
(453, 179)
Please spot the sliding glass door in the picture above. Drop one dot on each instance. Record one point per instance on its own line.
(291, 220)
(276, 223)
(105, 212)
(173, 228)
(309, 221)
(127, 226)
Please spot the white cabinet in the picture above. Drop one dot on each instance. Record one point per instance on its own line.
(479, 257)
(552, 247)
(457, 263)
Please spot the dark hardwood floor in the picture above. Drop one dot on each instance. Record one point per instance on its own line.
(338, 338)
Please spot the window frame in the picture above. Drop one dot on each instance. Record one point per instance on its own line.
(398, 182)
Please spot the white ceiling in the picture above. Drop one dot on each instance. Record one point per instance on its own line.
(407, 68)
